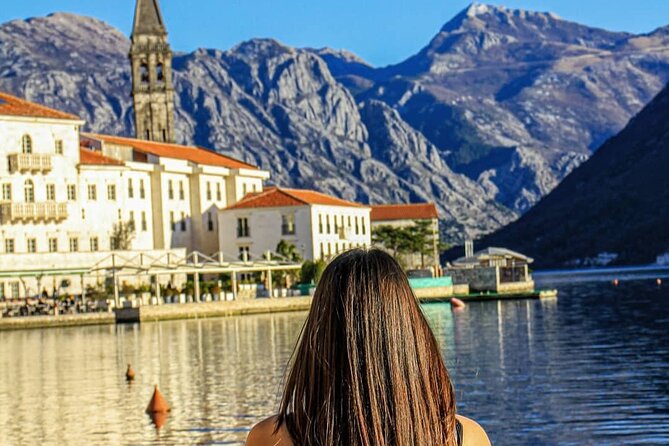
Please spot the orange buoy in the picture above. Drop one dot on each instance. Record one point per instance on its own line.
(159, 419)
(158, 404)
(659, 282)
(616, 282)
(457, 303)
(130, 373)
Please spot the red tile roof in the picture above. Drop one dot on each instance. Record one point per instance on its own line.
(90, 157)
(189, 153)
(420, 211)
(13, 106)
(279, 197)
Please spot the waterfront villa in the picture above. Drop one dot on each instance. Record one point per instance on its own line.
(405, 215)
(66, 192)
(320, 226)
(497, 270)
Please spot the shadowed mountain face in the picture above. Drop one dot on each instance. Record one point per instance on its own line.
(485, 120)
(614, 208)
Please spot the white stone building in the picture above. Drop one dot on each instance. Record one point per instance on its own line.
(62, 193)
(320, 226)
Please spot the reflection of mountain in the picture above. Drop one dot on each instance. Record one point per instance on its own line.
(617, 202)
(486, 119)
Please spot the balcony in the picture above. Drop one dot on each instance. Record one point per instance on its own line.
(24, 212)
(30, 162)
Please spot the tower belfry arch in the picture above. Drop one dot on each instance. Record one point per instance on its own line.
(152, 88)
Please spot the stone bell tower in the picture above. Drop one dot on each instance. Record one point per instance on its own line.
(152, 90)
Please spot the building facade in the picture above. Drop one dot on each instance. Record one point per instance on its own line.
(318, 225)
(407, 215)
(63, 192)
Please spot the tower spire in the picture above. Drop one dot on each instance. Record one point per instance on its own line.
(151, 59)
(148, 19)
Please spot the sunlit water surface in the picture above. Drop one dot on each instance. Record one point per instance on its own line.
(589, 368)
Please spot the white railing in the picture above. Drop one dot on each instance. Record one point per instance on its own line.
(30, 162)
(11, 212)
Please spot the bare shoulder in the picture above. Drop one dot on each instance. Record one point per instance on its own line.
(263, 434)
(472, 433)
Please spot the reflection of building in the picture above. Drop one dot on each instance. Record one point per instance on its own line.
(320, 226)
(498, 270)
(405, 215)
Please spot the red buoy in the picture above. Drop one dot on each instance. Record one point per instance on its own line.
(158, 404)
(457, 303)
(130, 374)
(659, 282)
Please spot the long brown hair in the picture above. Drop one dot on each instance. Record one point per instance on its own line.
(367, 369)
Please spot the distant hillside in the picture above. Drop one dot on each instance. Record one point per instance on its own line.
(615, 204)
(485, 120)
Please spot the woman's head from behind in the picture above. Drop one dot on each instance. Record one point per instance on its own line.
(367, 369)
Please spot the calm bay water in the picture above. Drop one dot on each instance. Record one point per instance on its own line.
(589, 368)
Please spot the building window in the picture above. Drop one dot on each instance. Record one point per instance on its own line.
(111, 192)
(357, 226)
(59, 147)
(336, 225)
(131, 190)
(327, 224)
(170, 190)
(164, 132)
(322, 251)
(71, 192)
(219, 195)
(210, 222)
(113, 244)
(320, 224)
(15, 290)
(142, 192)
(131, 221)
(50, 192)
(144, 225)
(255, 188)
(6, 192)
(95, 245)
(9, 246)
(183, 222)
(208, 190)
(92, 192)
(288, 224)
(160, 74)
(364, 227)
(330, 249)
(83, 214)
(243, 229)
(74, 244)
(244, 189)
(244, 253)
(29, 191)
(27, 144)
(144, 73)
(2, 290)
(173, 224)
(31, 245)
(182, 194)
(53, 245)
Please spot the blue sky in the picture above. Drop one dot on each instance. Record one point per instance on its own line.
(380, 31)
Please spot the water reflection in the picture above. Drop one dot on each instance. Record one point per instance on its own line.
(589, 368)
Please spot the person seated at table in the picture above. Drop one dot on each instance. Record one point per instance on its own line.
(367, 369)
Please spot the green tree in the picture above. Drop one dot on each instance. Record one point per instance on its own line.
(312, 271)
(288, 251)
(406, 240)
(122, 235)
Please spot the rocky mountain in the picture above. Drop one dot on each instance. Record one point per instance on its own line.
(516, 99)
(613, 209)
(275, 106)
(485, 120)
